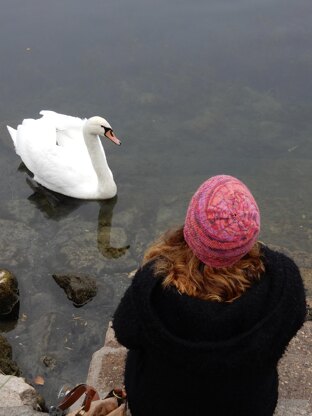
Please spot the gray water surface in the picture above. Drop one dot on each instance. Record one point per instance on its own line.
(192, 89)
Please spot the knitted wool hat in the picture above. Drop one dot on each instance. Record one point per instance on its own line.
(222, 221)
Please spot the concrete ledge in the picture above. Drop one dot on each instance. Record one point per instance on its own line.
(293, 408)
(295, 368)
(107, 365)
(295, 371)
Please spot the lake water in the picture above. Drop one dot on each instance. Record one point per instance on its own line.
(192, 89)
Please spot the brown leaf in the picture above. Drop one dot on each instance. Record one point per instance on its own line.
(39, 380)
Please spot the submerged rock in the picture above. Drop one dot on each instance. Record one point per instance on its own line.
(9, 295)
(7, 365)
(19, 243)
(94, 249)
(111, 242)
(49, 362)
(79, 289)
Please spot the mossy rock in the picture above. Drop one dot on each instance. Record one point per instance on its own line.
(7, 365)
(9, 295)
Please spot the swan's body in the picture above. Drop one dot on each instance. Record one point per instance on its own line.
(65, 154)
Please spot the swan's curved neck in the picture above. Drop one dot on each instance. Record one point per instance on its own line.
(98, 159)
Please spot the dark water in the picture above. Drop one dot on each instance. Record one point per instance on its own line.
(193, 89)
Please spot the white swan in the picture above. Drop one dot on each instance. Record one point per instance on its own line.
(65, 154)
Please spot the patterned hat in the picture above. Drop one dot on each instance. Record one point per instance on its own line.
(222, 221)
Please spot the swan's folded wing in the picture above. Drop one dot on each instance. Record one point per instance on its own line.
(68, 128)
(56, 167)
(61, 121)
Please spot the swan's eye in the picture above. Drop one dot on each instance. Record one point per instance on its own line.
(106, 129)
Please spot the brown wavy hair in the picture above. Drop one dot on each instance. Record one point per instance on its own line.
(181, 268)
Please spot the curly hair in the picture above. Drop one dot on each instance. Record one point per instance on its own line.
(179, 267)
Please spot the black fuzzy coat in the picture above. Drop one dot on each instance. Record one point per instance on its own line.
(193, 357)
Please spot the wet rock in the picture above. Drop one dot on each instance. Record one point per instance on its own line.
(41, 404)
(79, 289)
(5, 347)
(9, 296)
(10, 321)
(7, 365)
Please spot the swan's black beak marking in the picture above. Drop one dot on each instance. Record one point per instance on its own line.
(108, 132)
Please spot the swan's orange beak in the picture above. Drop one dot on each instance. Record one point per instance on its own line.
(110, 135)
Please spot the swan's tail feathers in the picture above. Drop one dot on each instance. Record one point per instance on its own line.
(12, 134)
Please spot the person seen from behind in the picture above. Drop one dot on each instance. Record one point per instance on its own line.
(210, 312)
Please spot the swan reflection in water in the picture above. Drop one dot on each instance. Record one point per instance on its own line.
(56, 206)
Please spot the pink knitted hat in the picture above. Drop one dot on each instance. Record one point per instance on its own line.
(222, 221)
